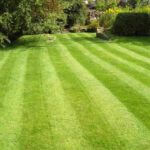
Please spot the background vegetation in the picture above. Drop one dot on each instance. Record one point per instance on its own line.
(21, 17)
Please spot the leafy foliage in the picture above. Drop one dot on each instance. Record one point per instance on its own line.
(130, 24)
(103, 5)
(3, 40)
(76, 13)
(93, 26)
(107, 18)
(30, 17)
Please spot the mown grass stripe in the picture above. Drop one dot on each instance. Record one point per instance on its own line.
(133, 83)
(114, 50)
(36, 128)
(106, 50)
(4, 59)
(124, 50)
(6, 69)
(73, 92)
(95, 128)
(130, 97)
(66, 130)
(138, 49)
(4, 52)
(11, 102)
(134, 70)
(131, 53)
(107, 102)
(128, 56)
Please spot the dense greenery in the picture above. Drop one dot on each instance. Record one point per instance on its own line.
(108, 18)
(103, 5)
(19, 17)
(132, 24)
(76, 13)
(33, 17)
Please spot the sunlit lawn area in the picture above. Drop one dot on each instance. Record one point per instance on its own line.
(75, 92)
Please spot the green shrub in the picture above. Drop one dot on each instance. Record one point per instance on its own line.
(103, 5)
(78, 28)
(76, 13)
(75, 28)
(3, 40)
(143, 9)
(8, 26)
(132, 24)
(132, 3)
(107, 18)
(30, 17)
(14, 18)
(93, 26)
(53, 23)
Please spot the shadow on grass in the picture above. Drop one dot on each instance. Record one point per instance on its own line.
(27, 42)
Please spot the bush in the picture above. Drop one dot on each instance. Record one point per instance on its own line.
(78, 28)
(143, 9)
(132, 3)
(132, 24)
(76, 13)
(107, 18)
(9, 26)
(92, 27)
(103, 5)
(53, 23)
(75, 28)
(21, 17)
(3, 40)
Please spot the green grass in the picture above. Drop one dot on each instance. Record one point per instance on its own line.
(75, 93)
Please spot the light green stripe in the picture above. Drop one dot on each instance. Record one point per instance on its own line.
(10, 123)
(65, 125)
(120, 119)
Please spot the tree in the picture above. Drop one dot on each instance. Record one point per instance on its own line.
(18, 17)
(76, 13)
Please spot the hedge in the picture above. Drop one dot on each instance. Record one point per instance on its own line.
(132, 24)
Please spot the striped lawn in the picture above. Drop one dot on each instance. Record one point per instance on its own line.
(75, 93)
